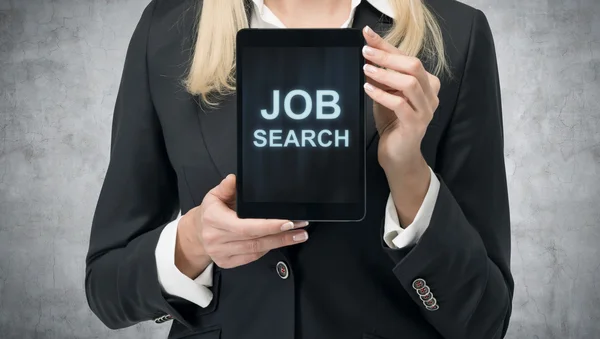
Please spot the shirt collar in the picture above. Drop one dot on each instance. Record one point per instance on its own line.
(381, 5)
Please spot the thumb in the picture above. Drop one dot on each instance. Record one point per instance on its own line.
(225, 191)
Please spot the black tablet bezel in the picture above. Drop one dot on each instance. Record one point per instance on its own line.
(347, 37)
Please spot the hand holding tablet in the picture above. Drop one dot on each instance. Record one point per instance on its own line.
(225, 239)
(301, 124)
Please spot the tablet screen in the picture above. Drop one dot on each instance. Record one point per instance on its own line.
(301, 117)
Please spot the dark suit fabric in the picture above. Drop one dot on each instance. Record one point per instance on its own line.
(167, 151)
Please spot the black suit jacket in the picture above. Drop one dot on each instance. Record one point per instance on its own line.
(167, 152)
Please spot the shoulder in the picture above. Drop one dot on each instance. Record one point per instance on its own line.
(451, 8)
(455, 19)
(170, 31)
(454, 14)
(165, 9)
(162, 16)
(463, 27)
(458, 21)
(466, 34)
(171, 19)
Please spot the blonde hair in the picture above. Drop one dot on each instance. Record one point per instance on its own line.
(212, 71)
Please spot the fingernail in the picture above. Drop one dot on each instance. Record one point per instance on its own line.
(370, 68)
(287, 226)
(369, 87)
(370, 32)
(368, 50)
(300, 237)
(300, 224)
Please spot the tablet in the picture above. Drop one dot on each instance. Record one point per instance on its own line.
(300, 124)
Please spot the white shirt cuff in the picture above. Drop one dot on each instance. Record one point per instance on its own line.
(397, 237)
(170, 277)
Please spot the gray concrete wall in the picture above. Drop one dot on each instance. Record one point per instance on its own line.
(60, 63)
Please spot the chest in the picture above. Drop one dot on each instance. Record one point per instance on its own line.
(201, 142)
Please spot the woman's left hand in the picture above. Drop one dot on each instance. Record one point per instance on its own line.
(405, 97)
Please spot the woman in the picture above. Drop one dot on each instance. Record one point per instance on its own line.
(431, 258)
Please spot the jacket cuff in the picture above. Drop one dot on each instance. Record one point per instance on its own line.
(450, 260)
(141, 278)
(170, 277)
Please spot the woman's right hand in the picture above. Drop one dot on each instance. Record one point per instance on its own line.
(212, 232)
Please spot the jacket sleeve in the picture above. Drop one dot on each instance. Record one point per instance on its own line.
(138, 198)
(464, 256)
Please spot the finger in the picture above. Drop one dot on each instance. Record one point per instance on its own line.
(396, 103)
(380, 85)
(266, 243)
(222, 217)
(222, 236)
(225, 191)
(408, 85)
(375, 40)
(399, 63)
(434, 83)
(256, 228)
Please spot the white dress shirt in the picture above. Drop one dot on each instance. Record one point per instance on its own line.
(198, 290)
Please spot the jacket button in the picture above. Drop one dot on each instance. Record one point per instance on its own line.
(418, 283)
(430, 303)
(163, 318)
(282, 270)
(426, 296)
(433, 308)
(423, 291)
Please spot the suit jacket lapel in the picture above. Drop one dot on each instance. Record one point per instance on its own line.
(219, 130)
(219, 125)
